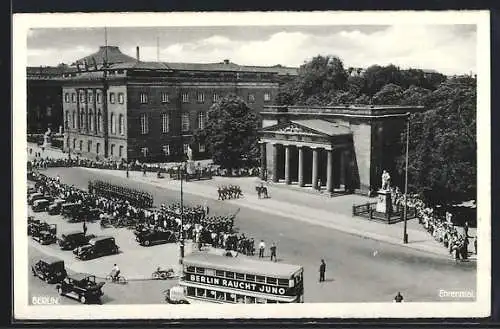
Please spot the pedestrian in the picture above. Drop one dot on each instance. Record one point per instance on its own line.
(84, 228)
(322, 270)
(273, 252)
(262, 247)
(144, 170)
(398, 298)
(466, 229)
(58, 179)
(319, 184)
(128, 174)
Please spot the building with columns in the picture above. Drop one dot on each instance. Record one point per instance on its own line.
(340, 148)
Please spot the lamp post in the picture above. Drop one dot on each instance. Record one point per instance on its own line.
(181, 169)
(405, 210)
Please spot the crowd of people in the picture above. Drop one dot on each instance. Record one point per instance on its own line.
(229, 192)
(441, 228)
(135, 197)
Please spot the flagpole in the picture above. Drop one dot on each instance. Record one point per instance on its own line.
(405, 211)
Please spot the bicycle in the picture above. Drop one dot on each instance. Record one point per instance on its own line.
(116, 279)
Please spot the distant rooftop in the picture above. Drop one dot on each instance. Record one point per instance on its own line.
(113, 54)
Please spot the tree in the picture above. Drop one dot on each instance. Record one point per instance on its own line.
(390, 94)
(442, 166)
(377, 76)
(231, 133)
(415, 96)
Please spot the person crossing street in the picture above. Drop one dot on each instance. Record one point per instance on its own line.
(273, 252)
(262, 247)
(322, 270)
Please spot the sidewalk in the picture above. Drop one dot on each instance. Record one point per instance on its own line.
(329, 212)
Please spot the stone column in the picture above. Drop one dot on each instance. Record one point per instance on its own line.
(315, 168)
(275, 163)
(301, 166)
(342, 169)
(329, 172)
(287, 164)
(263, 161)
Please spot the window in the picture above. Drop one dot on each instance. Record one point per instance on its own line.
(261, 279)
(73, 98)
(144, 124)
(121, 98)
(229, 275)
(98, 148)
(120, 151)
(144, 151)
(267, 97)
(219, 273)
(166, 149)
(81, 145)
(66, 121)
(73, 119)
(185, 149)
(144, 98)
(201, 120)
(199, 270)
(272, 281)
(164, 98)
(112, 123)
(89, 146)
(283, 282)
(112, 98)
(185, 122)
(200, 97)
(91, 121)
(121, 125)
(82, 97)
(201, 148)
(74, 144)
(240, 276)
(190, 269)
(250, 277)
(185, 97)
(99, 121)
(251, 98)
(98, 98)
(112, 149)
(82, 117)
(215, 98)
(66, 98)
(165, 122)
(90, 96)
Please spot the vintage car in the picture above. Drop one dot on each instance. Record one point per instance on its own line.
(68, 208)
(49, 269)
(176, 295)
(37, 226)
(40, 205)
(74, 239)
(97, 247)
(44, 237)
(55, 207)
(154, 236)
(82, 287)
(35, 196)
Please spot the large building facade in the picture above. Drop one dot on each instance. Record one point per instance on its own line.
(343, 148)
(150, 111)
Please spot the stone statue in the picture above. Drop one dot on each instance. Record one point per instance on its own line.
(47, 138)
(386, 178)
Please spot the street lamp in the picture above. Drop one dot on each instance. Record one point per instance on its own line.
(405, 211)
(181, 170)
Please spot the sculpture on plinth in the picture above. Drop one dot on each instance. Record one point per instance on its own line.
(47, 138)
(386, 181)
(384, 204)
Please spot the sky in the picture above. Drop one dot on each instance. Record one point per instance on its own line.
(449, 49)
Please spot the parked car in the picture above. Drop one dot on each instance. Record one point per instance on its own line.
(44, 237)
(49, 269)
(37, 226)
(55, 207)
(97, 247)
(74, 239)
(40, 205)
(176, 295)
(34, 196)
(82, 287)
(154, 236)
(67, 209)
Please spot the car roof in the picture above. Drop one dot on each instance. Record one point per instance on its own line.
(51, 259)
(99, 238)
(79, 276)
(71, 232)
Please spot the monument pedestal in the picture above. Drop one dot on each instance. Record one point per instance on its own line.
(384, 204)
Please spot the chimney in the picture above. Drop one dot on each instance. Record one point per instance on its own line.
(226, 61)
(137, 53)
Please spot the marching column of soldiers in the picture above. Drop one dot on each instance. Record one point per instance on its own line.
(229, 192)
(135, 197)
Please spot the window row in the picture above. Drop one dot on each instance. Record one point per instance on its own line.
(167, 149)
(165, 122)
(200, 97)
(94, 122)
(112, 151)
(238, 276)
(226, 296)
(88, 97)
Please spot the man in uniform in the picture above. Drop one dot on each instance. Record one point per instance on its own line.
(398, 298)
(273, 251)
(322, 269)
(262, 246)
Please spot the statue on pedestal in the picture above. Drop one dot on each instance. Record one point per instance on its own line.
(47, 138)
(386, 181)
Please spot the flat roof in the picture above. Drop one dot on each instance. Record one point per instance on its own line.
(241, 263)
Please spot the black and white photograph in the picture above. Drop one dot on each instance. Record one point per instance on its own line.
(206, 165)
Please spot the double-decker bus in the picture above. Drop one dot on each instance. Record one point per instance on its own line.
(223, 279)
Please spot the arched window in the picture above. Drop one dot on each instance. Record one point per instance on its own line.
(91, 121)
(99, 121)
(73, 118)
(120, 124)
(113, 124)
(98, 148)
(82, 117)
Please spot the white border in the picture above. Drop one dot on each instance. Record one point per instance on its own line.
(480, 308)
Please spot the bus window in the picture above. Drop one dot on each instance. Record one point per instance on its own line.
(261, 300)
(230, 275)
(231, 297)
(191, 291)
(271, 281)
(190, 269)
(283, 282)
(249, 300)
(240, 276)
(219, 273)
(209, 272)
(240, 299)
(220, 295)
(271, 301)
(261, 279)
(211, 294)
(200, 292)
(250, 277)
(200, 270)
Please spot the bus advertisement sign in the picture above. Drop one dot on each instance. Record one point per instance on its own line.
(241, 285)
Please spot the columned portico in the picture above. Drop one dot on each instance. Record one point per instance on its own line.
(301, 166)
(315, 168)
(287, 164)
(329, 172)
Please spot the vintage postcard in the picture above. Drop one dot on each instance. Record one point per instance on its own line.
(251, 165)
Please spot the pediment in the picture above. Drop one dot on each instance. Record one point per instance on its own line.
(290, 128)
